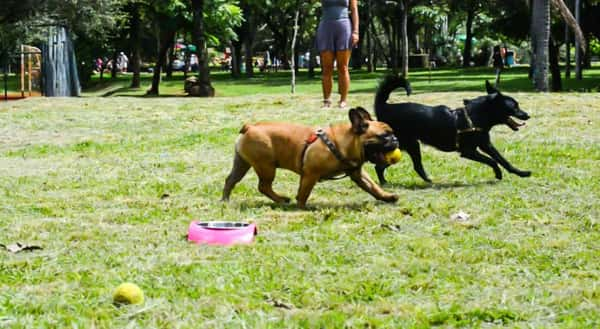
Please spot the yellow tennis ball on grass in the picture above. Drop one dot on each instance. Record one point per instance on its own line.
(393, 156)
(128, 293)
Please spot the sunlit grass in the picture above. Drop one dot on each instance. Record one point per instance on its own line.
(108, 186)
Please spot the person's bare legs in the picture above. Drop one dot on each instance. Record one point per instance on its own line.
(327, 58)
(343, 58)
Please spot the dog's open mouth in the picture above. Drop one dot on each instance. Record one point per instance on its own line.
(375, 152)
(514, 125)
(376, 157)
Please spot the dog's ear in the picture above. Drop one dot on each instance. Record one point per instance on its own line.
(364, 113)
(358, 120)
(489, 88)
(466, 102)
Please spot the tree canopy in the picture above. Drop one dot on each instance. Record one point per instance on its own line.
(448, 32)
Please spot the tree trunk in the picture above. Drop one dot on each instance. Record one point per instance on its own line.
(293, 51)
(567, 52)
(166, 40)
(236, 59)
(578, 73)
(113, 71)
(169, 59)
(404, 34)
(540, 35)
(369, 42)
(249, 43)
(356, 56)
(206, 89)
(469, 38)
(249, 62)
(554, 67)
(389, 31)
(312, 61)
(135, 45)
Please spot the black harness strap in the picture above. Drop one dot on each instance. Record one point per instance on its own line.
(322, 135)
(470, 127)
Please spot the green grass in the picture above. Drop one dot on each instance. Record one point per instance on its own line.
(108, 187)
(438, 80)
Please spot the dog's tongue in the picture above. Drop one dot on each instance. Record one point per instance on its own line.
(513, 124)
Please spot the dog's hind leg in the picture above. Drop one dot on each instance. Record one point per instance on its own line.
(476, 156)
(239, 170)
(493, 152)
(266, 175)
(414, 150)
(380, 170)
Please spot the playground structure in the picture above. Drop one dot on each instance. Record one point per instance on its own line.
(26, 80)
(51, 71)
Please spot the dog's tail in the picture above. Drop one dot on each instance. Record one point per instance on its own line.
(386, 87)
(244, 128)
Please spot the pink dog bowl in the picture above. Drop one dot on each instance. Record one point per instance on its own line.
(221, 233)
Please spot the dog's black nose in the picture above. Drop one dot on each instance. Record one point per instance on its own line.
(392, 141)
(520, 114)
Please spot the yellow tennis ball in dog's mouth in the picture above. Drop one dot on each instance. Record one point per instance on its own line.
(393, 156)
(128, 293)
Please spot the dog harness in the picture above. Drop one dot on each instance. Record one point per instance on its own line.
(322, 135)
(470, 127)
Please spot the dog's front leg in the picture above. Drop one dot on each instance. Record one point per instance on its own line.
(493, 152)
(307, 182)
(476, 156)
(362, 179)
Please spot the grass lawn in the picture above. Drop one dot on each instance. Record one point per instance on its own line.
(438, 80)
(108, 186)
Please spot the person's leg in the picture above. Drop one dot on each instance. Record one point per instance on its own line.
(327, 58)
(343, 58)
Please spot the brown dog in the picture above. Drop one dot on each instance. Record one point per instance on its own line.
(339, 149)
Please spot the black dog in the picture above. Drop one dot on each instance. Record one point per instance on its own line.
(463, 130)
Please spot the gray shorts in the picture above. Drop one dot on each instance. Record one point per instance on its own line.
(334, 35)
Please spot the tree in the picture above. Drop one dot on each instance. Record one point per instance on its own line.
(168, 17)
(135, 30)
(206, 89)
(540, 34)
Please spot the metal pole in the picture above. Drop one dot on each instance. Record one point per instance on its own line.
(29, 73)
(22, 73)
(5, 84)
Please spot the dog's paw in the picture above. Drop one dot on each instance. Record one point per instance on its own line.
(526, 173)
(285, 199)
(390, 198)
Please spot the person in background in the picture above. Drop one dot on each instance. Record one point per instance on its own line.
(336, 35)
(122, 62)
(498, 63)
(99, 65)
